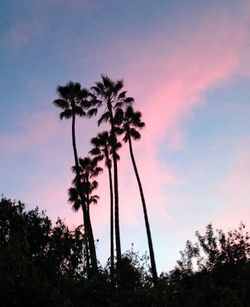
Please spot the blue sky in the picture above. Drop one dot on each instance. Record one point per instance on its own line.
(187, 65)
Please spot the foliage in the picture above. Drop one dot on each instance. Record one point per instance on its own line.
(215, 271)
(42, 265)
(36, 258)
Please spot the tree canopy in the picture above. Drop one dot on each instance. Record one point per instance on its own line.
(42, 264)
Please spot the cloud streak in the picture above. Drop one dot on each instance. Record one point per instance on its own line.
(169, 81)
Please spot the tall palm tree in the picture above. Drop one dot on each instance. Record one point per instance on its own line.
(102, 150)
(73, 100)
(109, 93)
(88, 170)
(131, 123)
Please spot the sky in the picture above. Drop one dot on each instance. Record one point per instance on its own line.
(186, 63)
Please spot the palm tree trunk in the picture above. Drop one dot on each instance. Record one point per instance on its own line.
(111, 217)
(87, 256)
(87, 222)
(116, 194)
(150, 243)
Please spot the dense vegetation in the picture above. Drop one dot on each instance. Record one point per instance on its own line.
(44, 265)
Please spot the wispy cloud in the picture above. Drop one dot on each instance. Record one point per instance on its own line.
(169, 81)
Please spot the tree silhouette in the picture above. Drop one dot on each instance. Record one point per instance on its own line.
(88, 169)
(73, 99)
(109, 93)
(102, 150)
(130, 124)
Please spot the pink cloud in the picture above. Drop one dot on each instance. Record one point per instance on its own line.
(169, 82)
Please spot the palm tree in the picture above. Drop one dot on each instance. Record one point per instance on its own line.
(109, 93)
(102, 150)
(130, 124)
(88, 170)
(73, 99)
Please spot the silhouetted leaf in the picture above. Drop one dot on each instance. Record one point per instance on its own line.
(135, 134)
(66, 114)
(103, 118)
(95, 151)
(129, 100)
(92, 112)
(122, 95)
(61, 103)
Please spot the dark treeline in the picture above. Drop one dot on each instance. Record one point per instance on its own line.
(44, 265)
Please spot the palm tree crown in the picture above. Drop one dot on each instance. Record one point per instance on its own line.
(73, 99)
(128, 123)
(88, 171)
(109, 93)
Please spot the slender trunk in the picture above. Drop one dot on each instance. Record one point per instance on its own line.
(89, 219)
(117, 225)
(111, 217)
(87, 222)
(150, 243)
(87, 256)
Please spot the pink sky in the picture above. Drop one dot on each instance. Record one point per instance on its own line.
(169, 77)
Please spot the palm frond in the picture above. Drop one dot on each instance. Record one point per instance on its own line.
(103, 137)
(63, 91)
(135, 134)
(83, 93)
(96, 172)
(66, 114)
(92, 112)
(118, 105)
(95, 151)
(61, 103)
(79, 111)
(99, 86)
(122, 95)
(100, 158)
(76, 205)
(85, 103)
(129, 100)
(118, 118)
(125, 138)
(94, 185)
(94, 199)
(116, 156)
(119, 130)
(118, 86)
(117, 146)
(107, 82)
(141, 125)
(103, 118)
(129, 111)
(84, 162)
(73, 194)
(95, 141)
